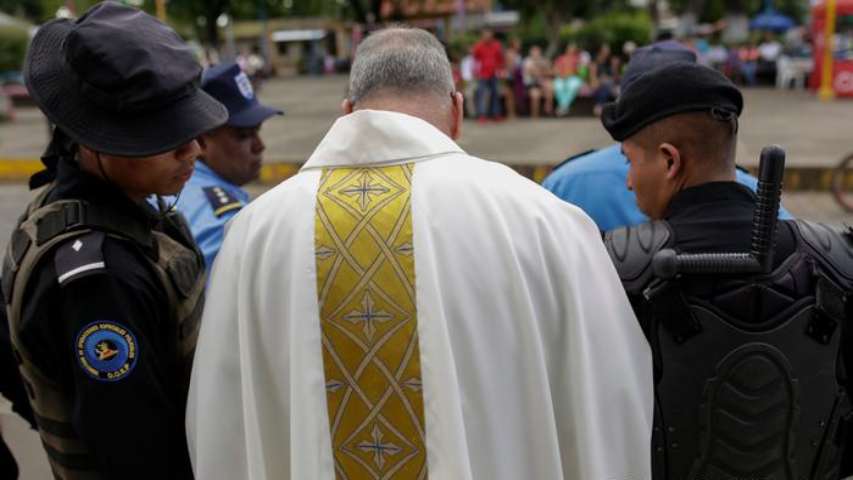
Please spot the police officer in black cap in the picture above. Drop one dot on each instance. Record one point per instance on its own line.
(750, 369)
(103, 292)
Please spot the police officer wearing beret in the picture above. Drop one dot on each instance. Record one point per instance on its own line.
(595, 180)
(231, 156)
(103, 292)
(750, 370)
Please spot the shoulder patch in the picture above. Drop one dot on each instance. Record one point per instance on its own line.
(221, 200)
(106, 351)
(79, 256)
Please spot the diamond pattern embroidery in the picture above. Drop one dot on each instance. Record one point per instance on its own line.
(377, 448)
(368, 316)
(371, 358)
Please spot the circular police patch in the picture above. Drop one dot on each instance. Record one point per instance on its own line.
(106, 351)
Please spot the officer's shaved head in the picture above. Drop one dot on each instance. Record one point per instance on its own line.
(700, 138)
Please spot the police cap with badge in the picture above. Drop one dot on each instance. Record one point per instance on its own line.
(228, 84)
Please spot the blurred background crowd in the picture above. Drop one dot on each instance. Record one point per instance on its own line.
(511, 57)
(534, 80)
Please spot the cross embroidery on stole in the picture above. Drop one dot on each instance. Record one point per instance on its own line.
(366, 288)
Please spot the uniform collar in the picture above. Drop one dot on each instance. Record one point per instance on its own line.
(74, 183)
(708, 193)
(374, 137)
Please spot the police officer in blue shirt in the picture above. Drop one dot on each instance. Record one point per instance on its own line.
(231, 157)
(596, 181)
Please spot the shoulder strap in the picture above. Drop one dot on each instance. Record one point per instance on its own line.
(66, 215)
(79, 258)
(632, 248)
(221, 200)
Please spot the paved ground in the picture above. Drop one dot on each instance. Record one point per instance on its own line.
(815, 133)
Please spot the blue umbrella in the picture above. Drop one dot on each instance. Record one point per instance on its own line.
(771, 20)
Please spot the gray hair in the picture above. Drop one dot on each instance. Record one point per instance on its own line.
(401, 59)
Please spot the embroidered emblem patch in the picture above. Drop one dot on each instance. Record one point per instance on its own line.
(106, 351)
(244, 85)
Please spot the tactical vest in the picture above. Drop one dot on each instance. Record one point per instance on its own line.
(749, 377)
(170, 253)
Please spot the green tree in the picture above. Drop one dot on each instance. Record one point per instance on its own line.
(556, 13)
(201, 14)
(13, 47)
(30, 9)
(713, 10)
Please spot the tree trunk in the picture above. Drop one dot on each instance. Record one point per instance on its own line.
(212, 29)
(696, 7)
(554, 23)
(654, 14)
(358, 11)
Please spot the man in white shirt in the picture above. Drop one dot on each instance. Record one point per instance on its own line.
(400, 309)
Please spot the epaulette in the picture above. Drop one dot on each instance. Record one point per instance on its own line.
(832, 247)
(79, 256)
(574, 157)
(221, 201)
(632, 248)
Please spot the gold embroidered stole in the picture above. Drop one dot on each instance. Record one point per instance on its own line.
(366, 288)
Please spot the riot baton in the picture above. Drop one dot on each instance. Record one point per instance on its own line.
(666, 264)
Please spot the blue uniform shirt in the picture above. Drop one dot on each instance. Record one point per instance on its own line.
(596, 182)
(208, 201)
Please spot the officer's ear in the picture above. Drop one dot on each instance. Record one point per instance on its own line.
(347, 106)
(670, 154)
(202, 142)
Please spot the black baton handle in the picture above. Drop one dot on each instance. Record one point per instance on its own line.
(667, 264)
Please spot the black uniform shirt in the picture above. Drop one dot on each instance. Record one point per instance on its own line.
(134, 424)
(717, 217)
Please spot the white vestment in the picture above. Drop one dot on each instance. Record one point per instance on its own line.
(533, 364)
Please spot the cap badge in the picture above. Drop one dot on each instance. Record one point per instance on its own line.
(244, 85)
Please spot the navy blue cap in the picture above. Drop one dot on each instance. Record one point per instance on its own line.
(653, 56)
(231, 86)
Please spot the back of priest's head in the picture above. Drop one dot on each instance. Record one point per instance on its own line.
(405, 70)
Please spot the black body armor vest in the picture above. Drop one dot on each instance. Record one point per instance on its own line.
(749, 373)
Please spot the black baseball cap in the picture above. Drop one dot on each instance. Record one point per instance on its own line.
(231, 86)
(120, 82)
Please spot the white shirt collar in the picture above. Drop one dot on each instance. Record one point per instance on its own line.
(371, 137)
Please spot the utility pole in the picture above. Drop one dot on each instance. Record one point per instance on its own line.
(826, 91)
(161, 10)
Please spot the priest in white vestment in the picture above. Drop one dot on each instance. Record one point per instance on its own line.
(402, 310)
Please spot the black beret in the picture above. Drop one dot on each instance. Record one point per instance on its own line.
(669, 90)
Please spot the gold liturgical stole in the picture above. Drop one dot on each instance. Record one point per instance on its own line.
(368, 317)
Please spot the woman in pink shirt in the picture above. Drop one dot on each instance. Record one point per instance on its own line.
(567, 82)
